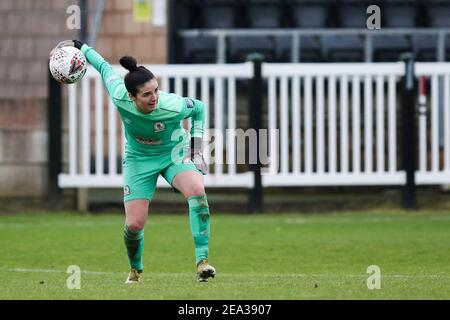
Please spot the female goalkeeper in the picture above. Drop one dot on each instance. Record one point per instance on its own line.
(156, 144)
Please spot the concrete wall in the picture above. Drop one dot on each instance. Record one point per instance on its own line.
(29, 29)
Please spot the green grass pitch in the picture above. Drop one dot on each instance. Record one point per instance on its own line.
(267, 256)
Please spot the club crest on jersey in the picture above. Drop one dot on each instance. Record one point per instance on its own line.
(159, 126)
(189, 103)
(126, 190)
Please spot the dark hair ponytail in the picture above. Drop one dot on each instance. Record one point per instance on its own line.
(137, 75)
(129, 63)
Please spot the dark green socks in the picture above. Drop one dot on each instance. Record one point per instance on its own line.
(134, 242)
(199, 220)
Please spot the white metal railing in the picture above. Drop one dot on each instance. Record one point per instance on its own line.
(340, 120)
(337, 124)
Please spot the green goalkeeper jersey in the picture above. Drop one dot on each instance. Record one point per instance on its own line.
(158, 132)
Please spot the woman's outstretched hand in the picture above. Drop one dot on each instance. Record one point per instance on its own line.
(67, 43)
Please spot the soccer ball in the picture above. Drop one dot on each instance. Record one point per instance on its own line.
(67, 65)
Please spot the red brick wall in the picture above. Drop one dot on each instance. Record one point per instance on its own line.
(28, 31)
(121, 36)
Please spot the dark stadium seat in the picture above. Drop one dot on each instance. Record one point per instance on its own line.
(309, 14)
(182, 11)
(264, 14)
(240, 47)
(199, 50)
(389, 48)
(424, 47)
(187, 14)
(343, 48)
(439, 13)
(399, 14)
(352, 14)
(219, 14)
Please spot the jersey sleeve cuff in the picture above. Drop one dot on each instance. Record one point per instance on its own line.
(84, 48)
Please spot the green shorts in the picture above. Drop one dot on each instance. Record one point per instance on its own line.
(141, 174)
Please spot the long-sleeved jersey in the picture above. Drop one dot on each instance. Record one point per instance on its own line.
(155, 133)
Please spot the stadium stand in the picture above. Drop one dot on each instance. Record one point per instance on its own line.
(322, 17)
